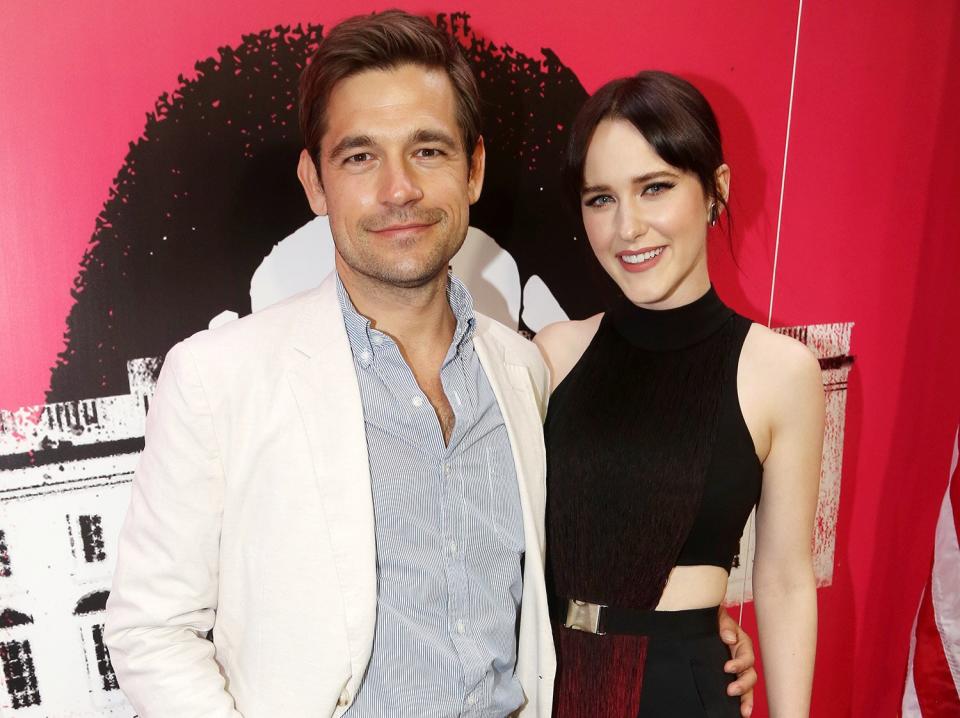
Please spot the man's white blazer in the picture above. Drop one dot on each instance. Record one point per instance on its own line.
(251, 516)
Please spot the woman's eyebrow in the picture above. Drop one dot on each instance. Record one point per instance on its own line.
(654, 175)
(589, 189)
(639, 179)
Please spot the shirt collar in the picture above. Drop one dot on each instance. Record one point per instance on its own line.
(462, 305)
(361, 334)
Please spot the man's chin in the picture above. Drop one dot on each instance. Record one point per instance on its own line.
(406, 278)
(402, 269)
(408, 283)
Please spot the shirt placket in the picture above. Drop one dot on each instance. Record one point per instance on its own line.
(463, 632)
(452, 521)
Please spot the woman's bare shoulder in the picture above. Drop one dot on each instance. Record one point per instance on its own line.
(779, 359)
(563, 343)
(782, 370)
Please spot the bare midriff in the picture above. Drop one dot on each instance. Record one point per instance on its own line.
(693, 587)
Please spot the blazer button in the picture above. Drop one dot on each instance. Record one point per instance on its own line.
(344, 698)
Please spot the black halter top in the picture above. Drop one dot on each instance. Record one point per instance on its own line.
(650, 463)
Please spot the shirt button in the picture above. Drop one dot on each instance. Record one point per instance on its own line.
(460, 627)
(453, 547)
(377, 341)
(471, 700)
(417, 401)
(365, 357)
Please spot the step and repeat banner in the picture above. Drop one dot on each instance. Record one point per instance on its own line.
(147, 167)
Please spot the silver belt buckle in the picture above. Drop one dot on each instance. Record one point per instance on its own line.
(584, 616)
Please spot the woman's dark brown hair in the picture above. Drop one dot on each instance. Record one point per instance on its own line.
(383, 41)
(670, 113)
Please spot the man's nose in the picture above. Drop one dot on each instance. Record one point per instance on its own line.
(400, 185)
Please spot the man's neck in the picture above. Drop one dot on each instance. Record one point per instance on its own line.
(418, 319)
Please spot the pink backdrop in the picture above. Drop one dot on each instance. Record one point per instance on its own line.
(869, 219)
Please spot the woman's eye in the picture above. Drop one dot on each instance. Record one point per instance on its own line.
(599, 201)
(657, 188)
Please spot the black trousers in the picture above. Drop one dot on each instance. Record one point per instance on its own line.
(683, 676)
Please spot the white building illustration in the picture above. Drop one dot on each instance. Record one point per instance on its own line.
(65, 471)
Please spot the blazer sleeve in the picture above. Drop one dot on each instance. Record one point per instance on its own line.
(164, 595)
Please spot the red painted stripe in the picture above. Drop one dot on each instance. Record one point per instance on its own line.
(936, 692)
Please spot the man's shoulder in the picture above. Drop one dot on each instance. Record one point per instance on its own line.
(509, 340)
(257, 331)
(262, 338)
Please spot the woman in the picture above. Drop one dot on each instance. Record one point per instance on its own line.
(668, 414)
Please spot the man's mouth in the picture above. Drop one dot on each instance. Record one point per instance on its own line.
(400, 228)
(403, 223)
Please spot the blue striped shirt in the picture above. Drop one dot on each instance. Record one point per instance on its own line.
(449, 533)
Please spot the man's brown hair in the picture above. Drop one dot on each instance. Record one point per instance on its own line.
(382, 41)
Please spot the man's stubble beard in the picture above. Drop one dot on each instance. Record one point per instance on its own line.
(359, 257)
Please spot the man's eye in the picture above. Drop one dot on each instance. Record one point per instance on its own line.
(358, 158)
(599, 201)
(429, 152)
(657, 188)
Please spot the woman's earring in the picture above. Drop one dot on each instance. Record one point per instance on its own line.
(714, 214)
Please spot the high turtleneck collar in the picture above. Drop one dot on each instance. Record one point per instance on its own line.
(670, 329)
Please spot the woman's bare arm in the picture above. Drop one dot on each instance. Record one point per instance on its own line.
(786, 377)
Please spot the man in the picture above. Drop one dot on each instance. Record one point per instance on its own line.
(348, 488)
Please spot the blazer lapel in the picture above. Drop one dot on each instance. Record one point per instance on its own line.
(513, 389)
(324, 382)
(512, 384)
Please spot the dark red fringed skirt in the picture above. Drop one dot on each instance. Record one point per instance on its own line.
(674, 672)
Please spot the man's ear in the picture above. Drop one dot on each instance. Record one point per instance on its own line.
(307, 173)
(478, 163)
